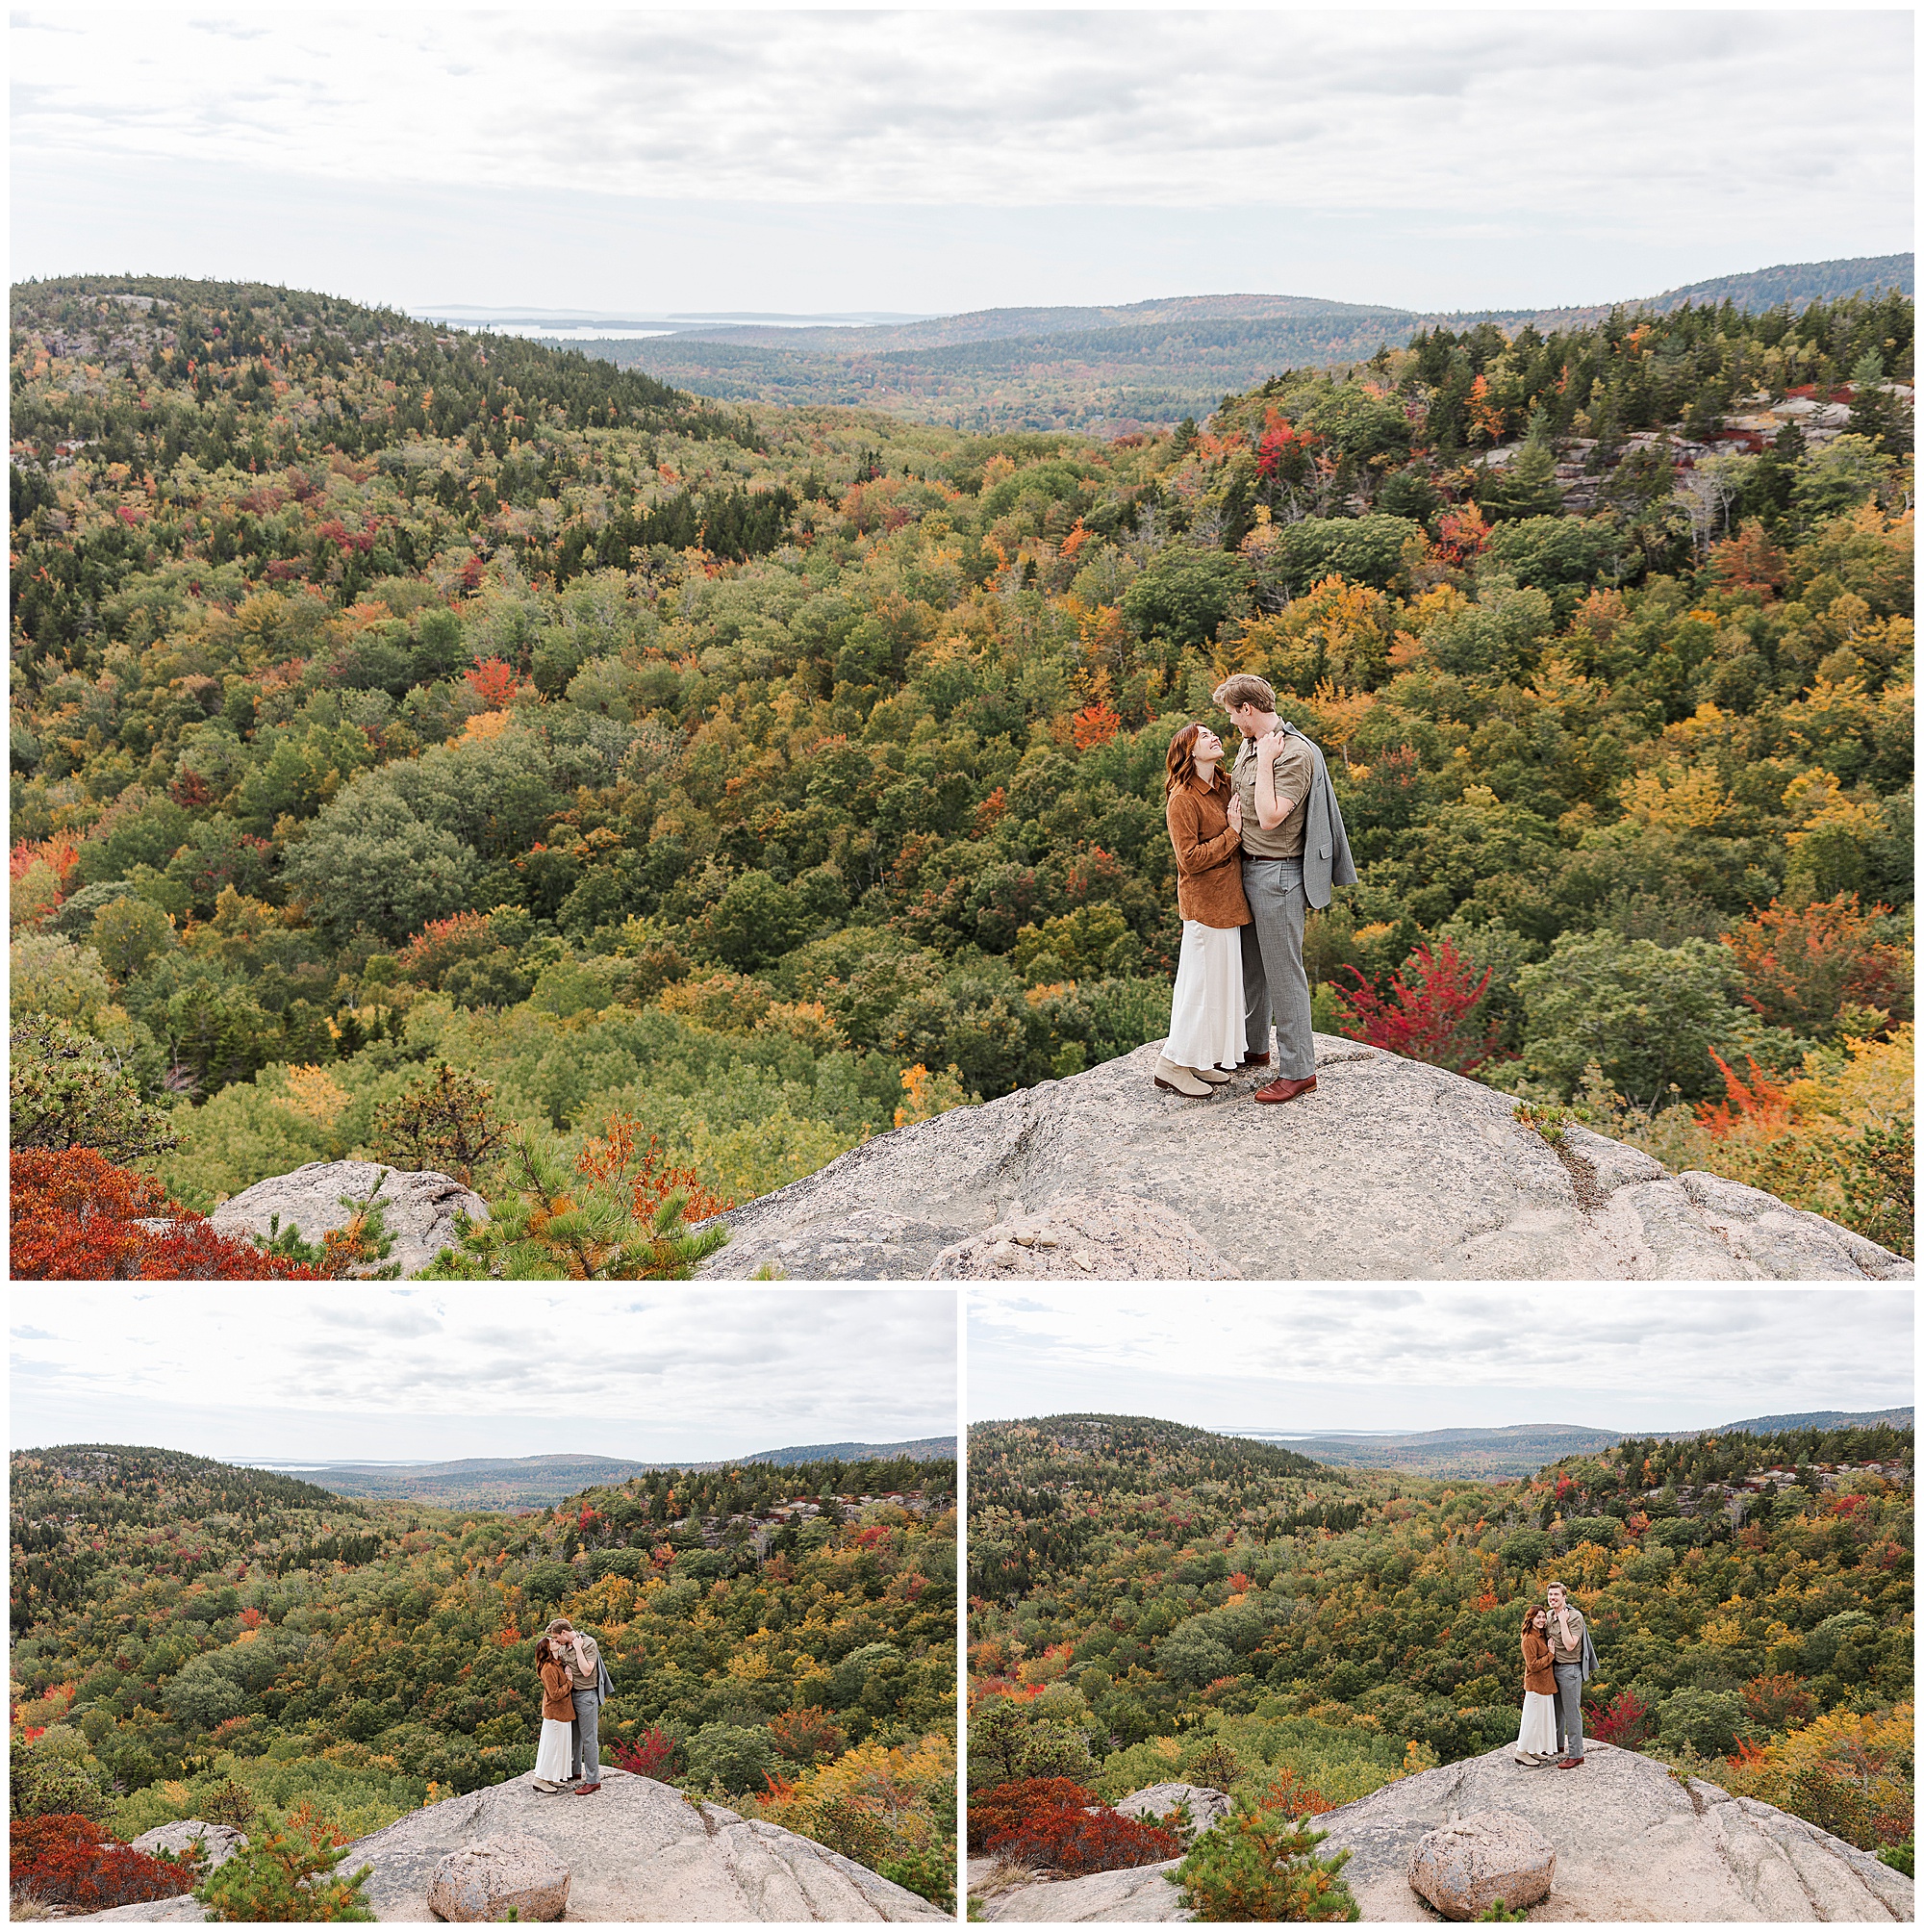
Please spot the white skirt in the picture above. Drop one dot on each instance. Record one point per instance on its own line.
(1539, 1724)
(556, 1757)
(1205, 1018)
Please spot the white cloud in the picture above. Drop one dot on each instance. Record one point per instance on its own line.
(1603, 118)
(1423, 1358)
(391, 1373)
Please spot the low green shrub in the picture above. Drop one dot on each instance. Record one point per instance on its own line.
(1260, 1865)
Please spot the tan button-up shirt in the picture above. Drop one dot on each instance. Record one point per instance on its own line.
(1560, 1651)
(1294, 767)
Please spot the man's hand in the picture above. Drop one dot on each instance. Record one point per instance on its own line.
(1235, 812)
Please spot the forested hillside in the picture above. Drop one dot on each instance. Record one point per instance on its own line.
(1147, 1602)
(760, 780)
(188, 1635)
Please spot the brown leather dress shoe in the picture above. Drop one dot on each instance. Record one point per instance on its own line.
(1281, 1090)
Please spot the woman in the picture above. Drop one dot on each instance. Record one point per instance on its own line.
(1536, 1741)
(1205, 818)
(557, 1732)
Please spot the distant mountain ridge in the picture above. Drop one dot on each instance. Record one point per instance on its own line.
(529, 1480)
(1104, 368)
(1523, 1448)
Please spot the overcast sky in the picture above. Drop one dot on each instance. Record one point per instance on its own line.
(1595, 1356)
(436, 1374)
(940, 160)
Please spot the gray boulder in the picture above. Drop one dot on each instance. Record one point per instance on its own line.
(482, 1882)
(1464, 1867)
(420, 1208)
(217, 1842)
(1632, 1843)
(1390, 1170)
(1207, 1805)
(636, 1853)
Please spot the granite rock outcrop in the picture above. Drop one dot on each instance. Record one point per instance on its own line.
(635, 1851)
(1632, 1843)
(419, 1208)
(1391, 1170)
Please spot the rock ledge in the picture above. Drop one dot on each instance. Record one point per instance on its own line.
(1390, 1170)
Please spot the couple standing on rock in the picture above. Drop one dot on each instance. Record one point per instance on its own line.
(1558, 1656)
(1254, 845)
(574, 1685)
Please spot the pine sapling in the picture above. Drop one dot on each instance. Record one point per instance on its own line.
(1258, 1864)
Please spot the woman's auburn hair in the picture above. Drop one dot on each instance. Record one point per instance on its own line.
(1180, 764)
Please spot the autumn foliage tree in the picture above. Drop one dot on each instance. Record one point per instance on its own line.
(1802, 964)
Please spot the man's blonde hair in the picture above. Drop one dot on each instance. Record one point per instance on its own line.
(1245, 688)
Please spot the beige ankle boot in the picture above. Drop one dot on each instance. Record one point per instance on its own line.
(1173, 1079)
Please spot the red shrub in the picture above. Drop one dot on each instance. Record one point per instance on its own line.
(67, 1860)
(73, 1216)
(1625, 1723)
(648, 1755)
(1056, 1825)
(1428, 1015)
(1002, 1807)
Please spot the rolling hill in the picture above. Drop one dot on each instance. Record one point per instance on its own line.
(529, 1480)
(1109, 370)
(1523, 1448)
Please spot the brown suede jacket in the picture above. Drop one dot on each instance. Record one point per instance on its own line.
(1538, 1675)
(1208, 855)
(557, 1699)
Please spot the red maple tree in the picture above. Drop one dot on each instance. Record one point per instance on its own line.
(492, 681)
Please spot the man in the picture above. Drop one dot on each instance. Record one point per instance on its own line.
(587, 1677)
(1294, 850)
(1573, 1657)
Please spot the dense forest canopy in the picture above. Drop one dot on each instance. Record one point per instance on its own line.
(387, 696)
(1147, 1601)
(187, 1633)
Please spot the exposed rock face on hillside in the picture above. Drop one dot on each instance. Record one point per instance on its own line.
(1391, 1170)
(419, 1208)
(635, 1851)
(1631, 1844)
